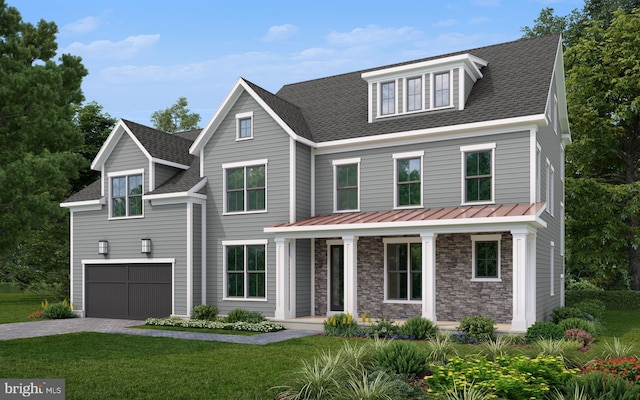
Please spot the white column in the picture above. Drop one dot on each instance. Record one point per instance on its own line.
(351, 275)
(282, 279)
(429, 275)
(523, 279)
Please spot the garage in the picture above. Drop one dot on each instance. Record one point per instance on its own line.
(128, 291)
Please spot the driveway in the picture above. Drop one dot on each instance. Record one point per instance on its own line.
(23, 330)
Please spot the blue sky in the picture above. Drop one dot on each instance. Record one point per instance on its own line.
(142, 55)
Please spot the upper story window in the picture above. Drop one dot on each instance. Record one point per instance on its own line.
(126, 194)
(244, 126)
(414, 94)
(486, 257)
(408, 179)
(388, 98)
(245, 187)
(441, 91)
(478, 173)
(346, 184)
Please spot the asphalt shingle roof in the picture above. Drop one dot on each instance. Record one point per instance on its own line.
(91, 192)
(182, 181)
(162, 145)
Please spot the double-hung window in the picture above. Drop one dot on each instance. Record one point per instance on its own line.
(126, 194)
(441, 91)
(244, 126)
(245, 187)
(246, 269)
(478, 173)
(408, 179)
(486, 257)
(388, 98)
(346, 184)
(414, 94)
(403, 266)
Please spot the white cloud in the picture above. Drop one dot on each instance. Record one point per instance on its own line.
(478, 20)
(373, 34)
(446, 23)
(113, 50)
(280, 32)
(315, 52)
(82, 26)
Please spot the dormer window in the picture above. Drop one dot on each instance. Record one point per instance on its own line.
(126, 190)
(388, 98)
(441, 92)
(414, 94)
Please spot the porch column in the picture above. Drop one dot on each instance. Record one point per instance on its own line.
(429, 275)
(283, 295)
(350, 275)
(524, 279)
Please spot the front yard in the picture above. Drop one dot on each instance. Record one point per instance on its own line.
(99, 366)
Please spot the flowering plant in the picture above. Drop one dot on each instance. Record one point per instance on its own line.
(624, 367)
(582, 337)
(264, 326)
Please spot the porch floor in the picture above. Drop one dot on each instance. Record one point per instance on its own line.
(315, 324)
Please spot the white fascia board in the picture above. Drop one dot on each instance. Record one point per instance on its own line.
(527, 219)
(108, 146)
(433, 134)
(471, 62)
(217, 118)
(129, 261)
(86, 205)
(175, 198)
(169, 163)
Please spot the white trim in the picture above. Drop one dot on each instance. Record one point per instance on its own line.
(312, 283)
(202, 162)
(241, 116)
(538, 172)
(476, 148)
(312, 179)
(169, 163)
(250, 163)
(401, 240)
(552, 262)
(467, 60)
(329, 243)
(126, 174)
(244, 164)
(432, 93)
(244, 244)
(71, 243)
(189, 249)
(179, 197)
(292, 181)
(462, 89)
(203, 252)
(552, 190)
(547, 194)
(341, 163)
(85, 205)
(429, 288)
(532, 166)
(152, 177)
(486, 238)
(404, 156)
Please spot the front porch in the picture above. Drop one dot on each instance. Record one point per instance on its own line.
(315, 324)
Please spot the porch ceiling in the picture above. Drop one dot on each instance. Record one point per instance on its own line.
(416, 218)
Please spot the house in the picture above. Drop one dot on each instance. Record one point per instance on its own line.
(433, 187)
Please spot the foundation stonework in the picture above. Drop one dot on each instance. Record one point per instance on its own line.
(457, 295)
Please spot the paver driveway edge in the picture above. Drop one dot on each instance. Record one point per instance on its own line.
(23, 330)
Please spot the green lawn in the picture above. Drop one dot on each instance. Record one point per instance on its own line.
(16, 306)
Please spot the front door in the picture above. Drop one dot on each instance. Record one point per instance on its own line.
(336, 278)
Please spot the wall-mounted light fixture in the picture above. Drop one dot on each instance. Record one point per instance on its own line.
(146, 246)
(103, 247)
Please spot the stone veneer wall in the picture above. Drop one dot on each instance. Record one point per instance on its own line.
(456, 295)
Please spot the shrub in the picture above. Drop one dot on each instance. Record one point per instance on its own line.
(510, 377)
(477, 327)
(205, 312)
(264, 326)
(554, 347)
(613, 299)
(562, 313)
(242, 315)
(626, 368)
(598, 385)
(616, 348)
(578, 323)
(341, 325)
(419, 328)
(580, 336)
(401, 357)
(58, 311)
(440, 349)
(382, 328)
(544, 330)
(592, 307)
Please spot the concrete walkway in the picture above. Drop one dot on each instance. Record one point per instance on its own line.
(23, 330)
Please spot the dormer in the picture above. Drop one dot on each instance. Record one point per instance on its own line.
(436, 84)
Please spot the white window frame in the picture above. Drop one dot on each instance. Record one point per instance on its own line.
(240, 117)
(432, 93)
(463, 172)
(126, 174)
(245, 164)
(552, 191)
(395, 97)
(547, 193)
(245, 243)
(400, 240)
(406, 93)
(404, 156)
(552, 268)
(486, 238)
(336, 164)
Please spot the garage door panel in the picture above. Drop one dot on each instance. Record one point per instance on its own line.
(131, 291)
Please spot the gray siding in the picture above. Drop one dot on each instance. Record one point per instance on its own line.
(197, 254)
(126, 156)
(442, 173)
(303, 277)
(468, 85)
(303, 181)
(269, 142)
(163, 173)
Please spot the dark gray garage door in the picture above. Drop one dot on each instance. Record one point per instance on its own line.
(129, 291)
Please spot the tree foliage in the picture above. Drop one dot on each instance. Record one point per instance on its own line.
(38, 136)
(176, 118)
